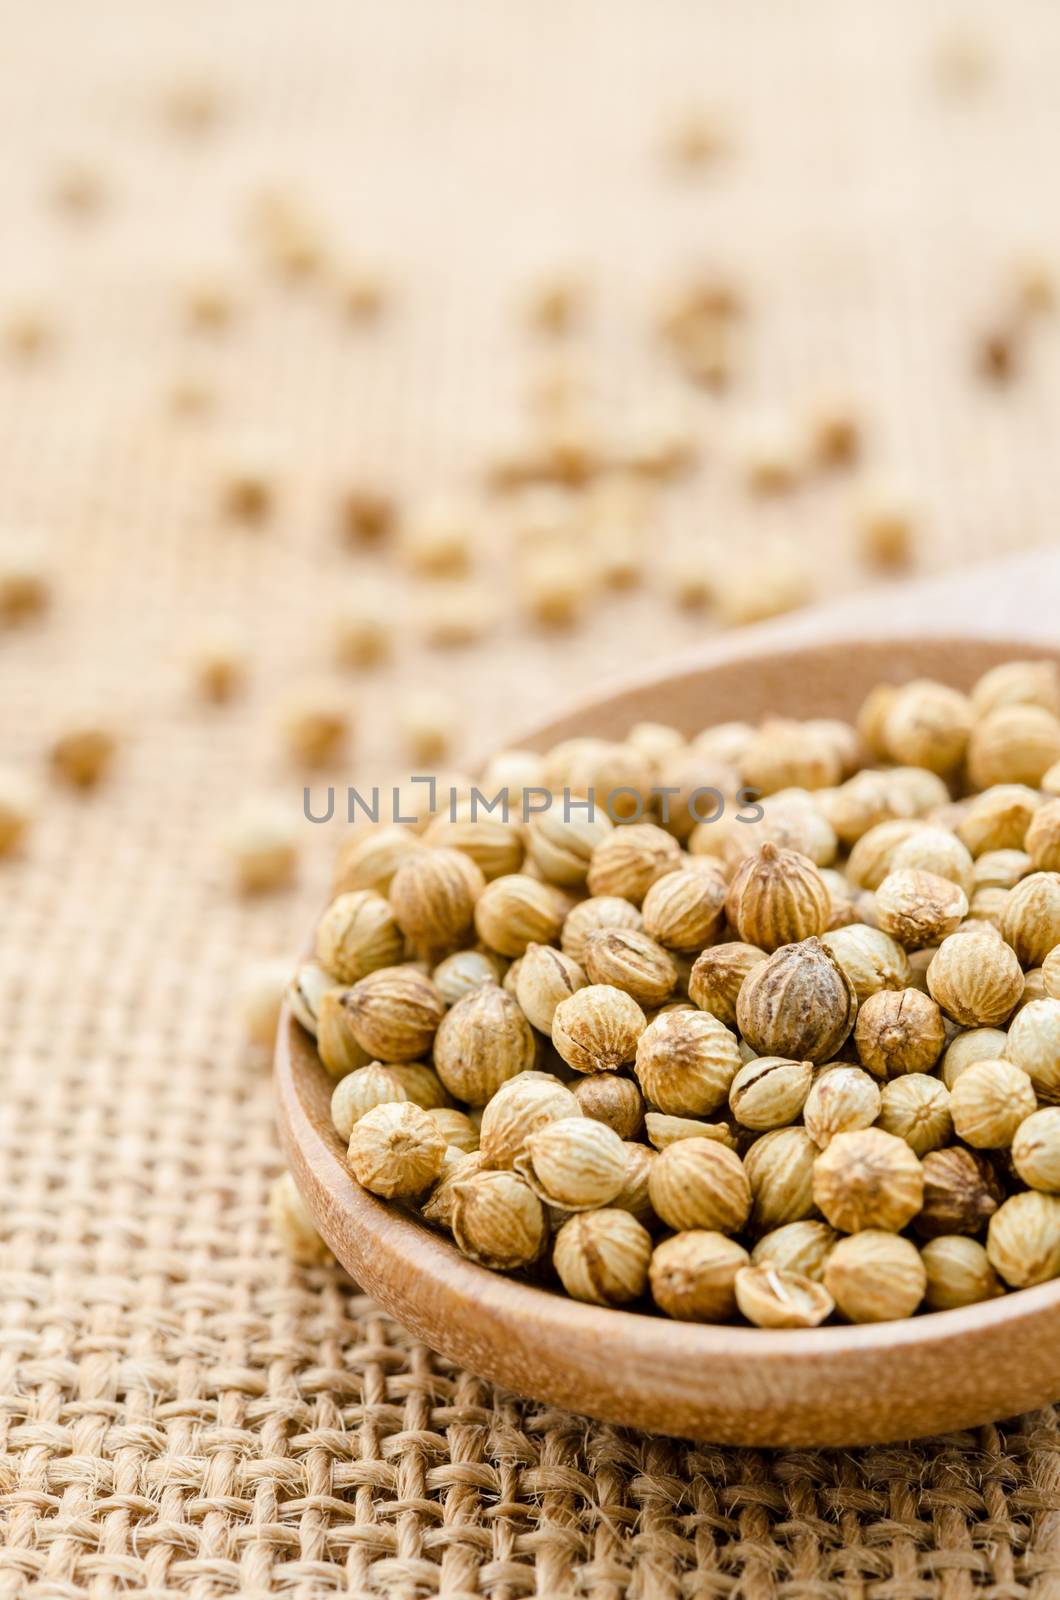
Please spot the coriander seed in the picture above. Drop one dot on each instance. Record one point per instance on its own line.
(919, 908)
(395, 1150)
(597, 1029)
(773, 1297)
(497, 1220)
(871, 959)
(628, 861)
(1030, 919)
(798, 1003)
(770, 1092)
(482, 1042)
(603, 1257)
(357, 934)
(776, 898)
(629, 960)
(522, 1106)
(1023, 1239)
(989, 1101)
(841, 1099)
(1036, 1150)
(801, 1247)
(337, 1044)
(433, 895)
(396, 1012)
(686, 1062)
(928, 725)
(464, 970)
(370, 859)
(379, 1084)
(293, 1226)
(958, 1273)
(868, 1179)
(546, 976)
(875, 1276)
(699, 1183)
(515, 911)
(916, 1108)
(685, 910)
(1033, 1043)
(779, 1168)
(693, 1275)
(1014, 744)
(899, 1030)
(975, 978)
(961, 1192)
(717, 977)
(574, 1163)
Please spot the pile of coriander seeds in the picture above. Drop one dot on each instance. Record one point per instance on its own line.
(798, 1060)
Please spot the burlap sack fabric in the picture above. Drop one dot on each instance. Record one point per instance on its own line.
(180, 1411)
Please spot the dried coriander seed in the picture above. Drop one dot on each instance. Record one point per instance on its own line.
(522, 1106)
(685, 910)
(337, 1044)
(628, 861)
(776, 898)
(1033, 1043)
(497, 1220)
(663, 1130)
(464, 970)
(958, 1273)
(779, 1168)
(961, 1192)
(916, 1108)
(356, 935)
(919, 908)
(293, 1226)
(609, 1098)
(395, 1013)
(686, 1062)
(383, 1083)
(574, 1163)
(1014, 744)
(516, 911)
(482, 1042)
(693, 1275)
(841, 1099)
(868, 1179)
(433, 896)
(546, 976)
(1030, 919)
(717, 977)
(1023, 1239)
(699, 1183)
(588, 916)
(597, 1029)
(798, 1003)
(1036, 1150)
(989, 1101)
(928, 725)
(975, 978)
(801, 1247)
(875, 1277)
(629, 959)
(871, 959)
(603, 1257)
(369, 860)
(770, 1092)
(773, 1297)
(396, 1150)
(899, 1030)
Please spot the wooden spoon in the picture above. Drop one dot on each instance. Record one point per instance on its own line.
(826, 1386)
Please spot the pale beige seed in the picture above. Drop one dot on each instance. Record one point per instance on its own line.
(495, 846)
(521, 1107)
(686, 910)
(589, 916)
(370, 858)
(841, 1099)
(875, 1277)
(305, 991)
(958, 1273)
(798, 1003)
(784, 754)
(597, 1029)
(779, 1168)
(384, 1083)
(663, 1130)
(1001, 869)
(396, 1012)
(770, 1092)
(456, 1128)
(978, 1044)
(989, 1101)
(976, 979)
(899, 1030)
(574, 1163)
(482, 1042)
(395, 1150)
(433, 896)
(919, 908)
(1051, 974)
(871, 959)
(261, 991)
(1025, 683)
(1014, 744)
(1030, 920)
(1023, 1239)
(776, 898)
(774, 1297)
(262, 845)
(515, 911)
(356, 935)
(801, 1247)
(868, 1179)
(612, 1099)
(937, 850)
(603, 1257)
(693, 1276)
(438, 1206)
(497, 1220)
(699, 1183)
(315, 724)
(717, 977)
(627, 861)
(629, 959)
(293, 1226)
(1042, 839)
(337, 1044)
(916, 1108)
(686, 1062)
(546, 976)
(1036, 1149)
(928, 725)
(464, 970)
(562, 848)
(998, 818)
(1033, 1043)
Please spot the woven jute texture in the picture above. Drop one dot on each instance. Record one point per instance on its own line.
(181, 1412)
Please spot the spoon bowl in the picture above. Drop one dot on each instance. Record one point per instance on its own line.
(835, 1385)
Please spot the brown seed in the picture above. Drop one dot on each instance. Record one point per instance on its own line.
(611, 1099)
(433, 896)
(481, 1042)
(899, 1030)
(799, 1004)
(776, 898)
(396, 1150)
(961, 1192)
(395, 1013)
(919, 908)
